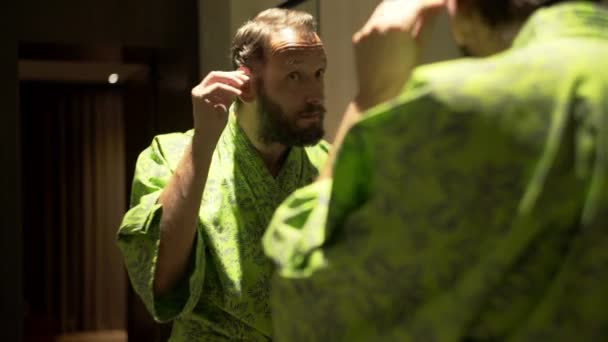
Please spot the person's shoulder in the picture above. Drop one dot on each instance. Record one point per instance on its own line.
(321, 147)
(415, 101)
(491, 79)
(455, 74)
(465, 84)
(168, 147)
(173, 139)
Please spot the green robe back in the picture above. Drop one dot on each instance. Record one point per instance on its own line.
(472, 207)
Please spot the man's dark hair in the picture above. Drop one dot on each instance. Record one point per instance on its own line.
(251, 39)
(500, 12)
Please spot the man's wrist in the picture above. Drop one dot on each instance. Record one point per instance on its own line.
(365, 101)
(202, 150)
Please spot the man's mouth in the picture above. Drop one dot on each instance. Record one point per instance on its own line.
(311, 115)
(312, 112)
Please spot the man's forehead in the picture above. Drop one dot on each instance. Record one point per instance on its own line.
(298, 56)
(290, 42)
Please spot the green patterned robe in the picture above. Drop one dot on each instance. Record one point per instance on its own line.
(224, 297)
(472, 207)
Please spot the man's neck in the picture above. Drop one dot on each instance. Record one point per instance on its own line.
(274, 154)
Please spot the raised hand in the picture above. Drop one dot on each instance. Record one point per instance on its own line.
(211, 100)
(387, 48)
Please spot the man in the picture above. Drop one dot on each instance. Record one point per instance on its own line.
(201, 200)
(473, 204)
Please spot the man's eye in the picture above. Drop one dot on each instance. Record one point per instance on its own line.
(294, 76)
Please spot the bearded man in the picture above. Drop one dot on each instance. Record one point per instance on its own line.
(201, 200)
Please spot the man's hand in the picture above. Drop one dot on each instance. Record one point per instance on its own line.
(386, 51)
(211, 100)
(387, 48)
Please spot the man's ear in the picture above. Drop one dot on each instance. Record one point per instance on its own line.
(249, 90)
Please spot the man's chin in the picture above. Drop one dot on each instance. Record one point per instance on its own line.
(310, 136)
(309, 122)
(307, 143)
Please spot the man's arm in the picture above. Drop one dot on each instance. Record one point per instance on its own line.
(387, 50)
(351, 116)
(181, 198)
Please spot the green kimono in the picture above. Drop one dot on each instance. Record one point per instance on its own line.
(224, 297)
(472, 207)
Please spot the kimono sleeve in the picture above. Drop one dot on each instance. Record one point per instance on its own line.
(139, 239)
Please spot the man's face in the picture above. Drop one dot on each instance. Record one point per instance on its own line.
(290, 90)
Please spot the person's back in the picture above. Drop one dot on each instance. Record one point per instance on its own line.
(471, 207)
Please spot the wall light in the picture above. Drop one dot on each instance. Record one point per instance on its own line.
(113, 78)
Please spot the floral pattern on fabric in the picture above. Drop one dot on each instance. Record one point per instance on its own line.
(225, 296)
(473, 207)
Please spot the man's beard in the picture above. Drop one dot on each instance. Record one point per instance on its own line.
(276, 127)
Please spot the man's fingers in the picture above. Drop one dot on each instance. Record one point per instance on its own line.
(226, 89)
(204, 91)
(222, 97)
(219, 89)
(233, 78)
(244, 73)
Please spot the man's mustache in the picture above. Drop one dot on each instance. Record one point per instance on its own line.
(313, 108)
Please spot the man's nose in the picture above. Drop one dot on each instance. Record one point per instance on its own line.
(315, 96)
(315, 100)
